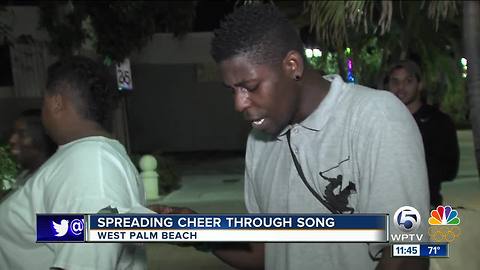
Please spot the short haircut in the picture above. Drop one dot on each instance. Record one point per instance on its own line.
(89, 84)
(36, 131)
(410, 66)
(259, 31)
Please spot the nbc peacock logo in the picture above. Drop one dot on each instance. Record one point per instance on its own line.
(444, 215)
(444, 223)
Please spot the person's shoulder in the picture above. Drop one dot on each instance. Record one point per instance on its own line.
(93, 145)
(436, 110)
(437, 114)
(356, 95)
(91, 150)
(374, 95)
(374, 102)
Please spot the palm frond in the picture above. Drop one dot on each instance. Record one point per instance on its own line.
(385, 17)
(328, 20)
(333, 19)
(441, 10)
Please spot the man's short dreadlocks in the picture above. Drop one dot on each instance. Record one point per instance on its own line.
(261, 32)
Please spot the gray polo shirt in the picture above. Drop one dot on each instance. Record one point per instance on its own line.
(360, 150)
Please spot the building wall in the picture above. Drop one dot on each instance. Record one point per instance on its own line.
(169, 110)
(178, 102)
(166, 49)
(24, 21)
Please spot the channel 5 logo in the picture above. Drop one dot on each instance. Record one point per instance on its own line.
(60, 228)
(407, 219)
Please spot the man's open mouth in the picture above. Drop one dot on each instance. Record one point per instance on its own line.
(258, 122)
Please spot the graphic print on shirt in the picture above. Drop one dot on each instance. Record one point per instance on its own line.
(334, 194)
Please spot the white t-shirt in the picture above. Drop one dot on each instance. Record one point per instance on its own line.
(83, 176)
(360, 150)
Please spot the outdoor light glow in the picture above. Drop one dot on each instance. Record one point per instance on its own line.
(348, 51)
(463, 62)
(350, 76)
(317, 53)
(309, 53)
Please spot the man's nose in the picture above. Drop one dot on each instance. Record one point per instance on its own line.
(242, 100)
(400, 86)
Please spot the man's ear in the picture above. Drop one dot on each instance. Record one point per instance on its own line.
(293, 65)
(55, 103)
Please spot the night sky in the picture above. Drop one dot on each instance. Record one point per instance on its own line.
(210, 13)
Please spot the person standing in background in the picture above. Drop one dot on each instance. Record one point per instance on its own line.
(30, 146)
(29, 143)
(404, 79)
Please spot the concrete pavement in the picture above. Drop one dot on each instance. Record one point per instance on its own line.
(464, 194)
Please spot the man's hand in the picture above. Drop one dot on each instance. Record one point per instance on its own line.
(166, 210)
(238, 255)
(163, 209)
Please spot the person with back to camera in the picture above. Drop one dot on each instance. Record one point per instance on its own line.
(89, 173)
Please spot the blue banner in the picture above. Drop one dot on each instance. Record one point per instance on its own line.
(434, 250)
(200, 227)
(60, 228)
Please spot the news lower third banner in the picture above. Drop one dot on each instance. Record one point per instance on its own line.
(212, 228)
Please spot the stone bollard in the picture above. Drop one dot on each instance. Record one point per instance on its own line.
(149, 175)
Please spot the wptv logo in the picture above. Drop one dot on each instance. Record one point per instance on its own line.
(443, 223)
(407, 219)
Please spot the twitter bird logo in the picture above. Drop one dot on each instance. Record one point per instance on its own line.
(61, 228)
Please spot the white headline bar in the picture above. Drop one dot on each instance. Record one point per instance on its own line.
(205, 235)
